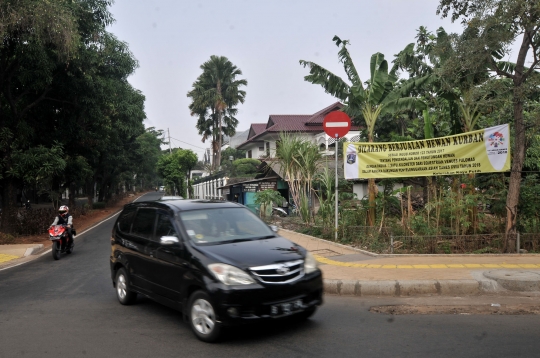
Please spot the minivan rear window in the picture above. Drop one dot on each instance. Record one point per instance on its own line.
(223, 225)
(143, 225)
(126, 218)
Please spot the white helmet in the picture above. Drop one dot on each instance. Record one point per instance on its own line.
(63, 210)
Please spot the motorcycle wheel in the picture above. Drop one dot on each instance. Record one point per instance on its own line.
(56, 250)
(71, 247)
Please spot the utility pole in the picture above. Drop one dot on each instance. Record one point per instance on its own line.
(169, 134)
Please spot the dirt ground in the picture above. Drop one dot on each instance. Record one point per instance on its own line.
(485, 309)
(81, 223)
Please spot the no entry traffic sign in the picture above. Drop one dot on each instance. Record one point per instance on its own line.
(336, 124)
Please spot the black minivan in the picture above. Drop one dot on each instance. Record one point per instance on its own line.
(215, 261)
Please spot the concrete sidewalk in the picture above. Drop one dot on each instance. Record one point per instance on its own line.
(14, 254)
(348, 271)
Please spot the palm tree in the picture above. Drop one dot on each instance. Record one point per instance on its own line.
(383, 94)
(215, 95)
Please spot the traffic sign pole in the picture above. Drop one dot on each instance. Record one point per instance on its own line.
(336, 184)
(336, 125)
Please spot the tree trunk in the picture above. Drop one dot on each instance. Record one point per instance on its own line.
(218, 153)
(473, 209)
(71, 200)
(512, 199)
(372, 192)
(90, 192)
(9, 206)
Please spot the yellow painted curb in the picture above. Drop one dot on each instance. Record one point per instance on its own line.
(328, 261)
(6, 258)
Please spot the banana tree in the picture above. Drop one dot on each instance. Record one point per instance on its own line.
(382, 94)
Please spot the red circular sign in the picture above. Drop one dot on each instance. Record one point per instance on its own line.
(337, 124)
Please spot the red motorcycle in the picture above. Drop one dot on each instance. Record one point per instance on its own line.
(58, 234)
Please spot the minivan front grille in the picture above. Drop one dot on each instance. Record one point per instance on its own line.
(279, 273)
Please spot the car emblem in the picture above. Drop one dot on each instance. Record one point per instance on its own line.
(283, 270)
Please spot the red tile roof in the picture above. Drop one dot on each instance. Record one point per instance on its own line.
(317, 118)
(256, 128)
(292, 123)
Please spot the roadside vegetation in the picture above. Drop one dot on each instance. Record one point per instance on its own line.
(439, 85)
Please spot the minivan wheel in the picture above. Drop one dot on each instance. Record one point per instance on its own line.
(123, 293)
(202, 317)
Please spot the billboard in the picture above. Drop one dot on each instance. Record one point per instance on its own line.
(482, 151)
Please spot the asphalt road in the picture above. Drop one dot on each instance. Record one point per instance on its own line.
(68, 308)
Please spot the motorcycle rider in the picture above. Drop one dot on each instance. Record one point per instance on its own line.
(64, 218)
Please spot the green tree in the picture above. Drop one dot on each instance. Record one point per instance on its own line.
(299, 161)
(265, 199)
(174, 168)
(245, 167)
(491, 28)
(381, 95)
(65, 102)
(149, 152)
(214, 96)
(36, 38)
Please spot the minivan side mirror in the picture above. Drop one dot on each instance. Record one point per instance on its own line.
(274, 228)
(169, 240)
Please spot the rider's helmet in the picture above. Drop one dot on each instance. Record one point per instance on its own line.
(63, 210)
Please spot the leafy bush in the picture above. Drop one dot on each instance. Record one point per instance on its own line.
(6, 239)
(98, 205)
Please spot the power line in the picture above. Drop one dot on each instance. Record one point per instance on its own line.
(181, 141)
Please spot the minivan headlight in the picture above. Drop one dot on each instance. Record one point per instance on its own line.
(230, 275)
(310, 264)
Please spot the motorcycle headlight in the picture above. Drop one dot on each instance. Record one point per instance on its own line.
(310, 264)
(230, 275)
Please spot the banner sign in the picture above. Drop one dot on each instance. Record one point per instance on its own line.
(482, 151)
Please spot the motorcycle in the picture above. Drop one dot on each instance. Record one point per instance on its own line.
(277, 211)
(58, 234)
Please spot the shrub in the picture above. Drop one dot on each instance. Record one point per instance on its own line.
(6, 239)
(98, 205)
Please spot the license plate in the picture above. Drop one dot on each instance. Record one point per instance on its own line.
(286, 308)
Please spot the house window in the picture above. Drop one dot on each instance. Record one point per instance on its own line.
(249, 154)
(267, 149)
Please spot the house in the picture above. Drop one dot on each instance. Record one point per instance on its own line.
(260, 142)
(262, 137)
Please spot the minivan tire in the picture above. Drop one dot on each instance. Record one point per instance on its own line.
(123, 293)
(202, 317)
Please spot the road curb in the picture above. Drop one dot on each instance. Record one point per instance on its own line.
(410, 288)
(369, 253)
(36, 249)
(521, 281)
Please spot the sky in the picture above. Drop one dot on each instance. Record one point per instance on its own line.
(265, 40)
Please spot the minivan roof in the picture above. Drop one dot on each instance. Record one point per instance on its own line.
(186, 204)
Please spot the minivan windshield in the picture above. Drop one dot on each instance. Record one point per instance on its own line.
(224, 225)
